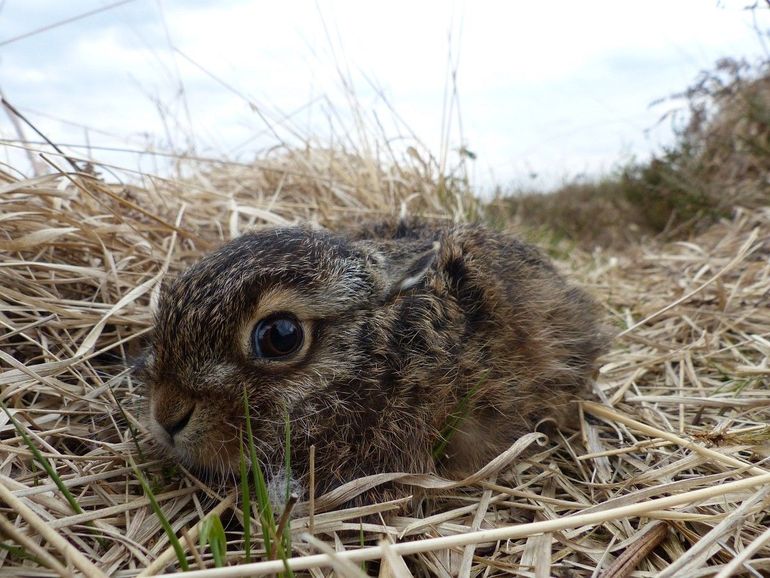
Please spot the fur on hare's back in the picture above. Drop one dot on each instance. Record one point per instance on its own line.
(371, 343)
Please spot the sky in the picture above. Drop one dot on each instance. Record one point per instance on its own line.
(545, 91)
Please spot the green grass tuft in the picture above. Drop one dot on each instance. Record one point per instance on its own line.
(280, 545)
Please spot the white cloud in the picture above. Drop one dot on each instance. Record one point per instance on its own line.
(556, 87)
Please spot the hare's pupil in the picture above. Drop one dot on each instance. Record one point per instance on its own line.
(283, 335)
(277, 336)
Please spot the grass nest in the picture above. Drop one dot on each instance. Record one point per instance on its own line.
(667, 474)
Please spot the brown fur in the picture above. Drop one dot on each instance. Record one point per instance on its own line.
(405, 321)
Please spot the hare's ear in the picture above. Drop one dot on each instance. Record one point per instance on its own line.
(402, 271)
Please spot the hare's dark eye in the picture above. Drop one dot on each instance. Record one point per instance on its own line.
(278, 335)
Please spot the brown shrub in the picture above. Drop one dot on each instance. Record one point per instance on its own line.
(720, 160)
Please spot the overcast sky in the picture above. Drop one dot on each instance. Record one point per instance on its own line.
(555, 89)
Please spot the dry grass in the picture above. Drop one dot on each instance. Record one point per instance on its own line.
(667, 473)
(585, 214)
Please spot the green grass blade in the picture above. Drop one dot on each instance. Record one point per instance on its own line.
(287, 454)
(178, 550)
(52, 473)
(266, 518)
(245, 506)
(213, 534)
(285, 551)
(20, 553)
(362, 544)
(285, 559)
(455, 419)
(41, 459)
(283, 545)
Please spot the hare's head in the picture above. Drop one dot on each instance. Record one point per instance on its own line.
(274, 319)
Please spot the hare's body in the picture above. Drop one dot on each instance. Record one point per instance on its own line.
(400, 331)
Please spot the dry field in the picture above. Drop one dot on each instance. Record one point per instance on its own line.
(667, 476)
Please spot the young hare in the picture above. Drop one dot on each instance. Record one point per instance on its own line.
(368, 343)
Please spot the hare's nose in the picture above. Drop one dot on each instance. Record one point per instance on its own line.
(173, 423)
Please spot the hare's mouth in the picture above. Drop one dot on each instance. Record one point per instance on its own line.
(176, 425)
(193, 435)
(172, 418)
(212, 456)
